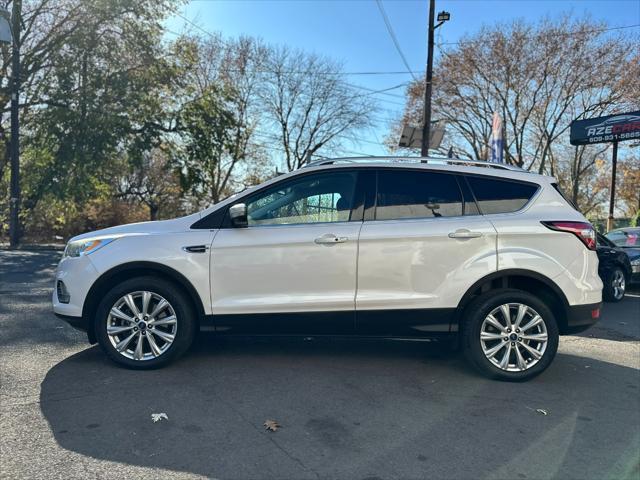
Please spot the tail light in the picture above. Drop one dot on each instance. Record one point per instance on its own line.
(583, 230)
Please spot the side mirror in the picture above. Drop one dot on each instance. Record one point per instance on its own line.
(238, 215)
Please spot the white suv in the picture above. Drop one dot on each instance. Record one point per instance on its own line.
(402, 248)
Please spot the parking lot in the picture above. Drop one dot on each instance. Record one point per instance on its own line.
(351, 409)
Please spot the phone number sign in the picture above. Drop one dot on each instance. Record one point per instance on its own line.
(612, 128)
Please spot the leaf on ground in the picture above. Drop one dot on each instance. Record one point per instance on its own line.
(542, 411)
(271, 425)
(156, 417)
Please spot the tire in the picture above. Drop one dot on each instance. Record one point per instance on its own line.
(171, 330)
(614, 285)
(475, 321)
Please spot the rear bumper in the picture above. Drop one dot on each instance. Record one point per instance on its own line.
(581, 317)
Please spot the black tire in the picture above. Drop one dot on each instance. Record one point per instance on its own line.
(473, 318)
(186, 324)
(611, 278)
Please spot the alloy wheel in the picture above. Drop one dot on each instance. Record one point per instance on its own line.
(513, 337)
(618, 284)
(142, 325)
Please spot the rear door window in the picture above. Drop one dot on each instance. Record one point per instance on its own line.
(413, 194)
(500, 196)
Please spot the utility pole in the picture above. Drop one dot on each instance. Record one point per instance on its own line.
(426, 127)
(14, 200)
(612, 198)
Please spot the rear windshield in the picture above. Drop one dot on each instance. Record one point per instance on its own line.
(500, 196)
(625, 238)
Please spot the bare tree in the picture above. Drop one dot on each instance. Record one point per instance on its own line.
(578, 170)
(538, 77)
(232, 68)
(310, 105)
(629, 187)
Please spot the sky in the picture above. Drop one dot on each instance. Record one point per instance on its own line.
(354, 32)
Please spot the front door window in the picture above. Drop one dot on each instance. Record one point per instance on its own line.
(321, 198)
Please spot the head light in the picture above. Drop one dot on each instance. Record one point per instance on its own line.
(85, 246)
(636, 262)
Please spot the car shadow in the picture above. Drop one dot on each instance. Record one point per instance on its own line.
(348, 409)
(619, 321)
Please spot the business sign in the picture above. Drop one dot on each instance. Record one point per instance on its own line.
(612, 128)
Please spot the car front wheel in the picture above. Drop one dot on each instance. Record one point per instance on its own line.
(145, 323)
(509, 335)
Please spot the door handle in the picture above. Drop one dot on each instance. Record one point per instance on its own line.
(196, 249)
(330, 239)
(464, 233)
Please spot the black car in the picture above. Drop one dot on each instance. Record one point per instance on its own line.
(614, 269)
(628, 239)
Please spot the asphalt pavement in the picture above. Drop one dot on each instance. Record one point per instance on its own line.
(348, 409)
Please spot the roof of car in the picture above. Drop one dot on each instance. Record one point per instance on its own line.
(624, 229)
(432, 163)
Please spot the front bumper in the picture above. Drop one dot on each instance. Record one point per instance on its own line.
(581, 317)
(78, 274)
(635, 274)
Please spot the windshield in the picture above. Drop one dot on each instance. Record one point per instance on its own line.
(603, 241)
(625, 238)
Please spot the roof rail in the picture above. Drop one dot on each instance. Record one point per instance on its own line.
(434, 160)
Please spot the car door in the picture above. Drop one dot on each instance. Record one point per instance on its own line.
(422, 245)
(293, 268)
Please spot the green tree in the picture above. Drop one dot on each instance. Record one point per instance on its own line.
(102, 101)
(208, 127)
(152, 181)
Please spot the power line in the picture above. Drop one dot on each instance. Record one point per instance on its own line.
(280, 149)
(392, 34)
(565, 34)
(371, 92)
(197, 26)
(383, 91)
(274, 137)
(409, 71)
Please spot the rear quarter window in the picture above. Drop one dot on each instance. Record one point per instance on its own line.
(565, 197)
(495, 195)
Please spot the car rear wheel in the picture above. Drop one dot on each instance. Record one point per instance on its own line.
(614, 285)
(145, 323)
(509, 335)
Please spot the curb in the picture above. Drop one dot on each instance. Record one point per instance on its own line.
(33, 247)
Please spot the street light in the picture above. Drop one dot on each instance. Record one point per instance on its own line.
(10, 33)
(443, 17)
